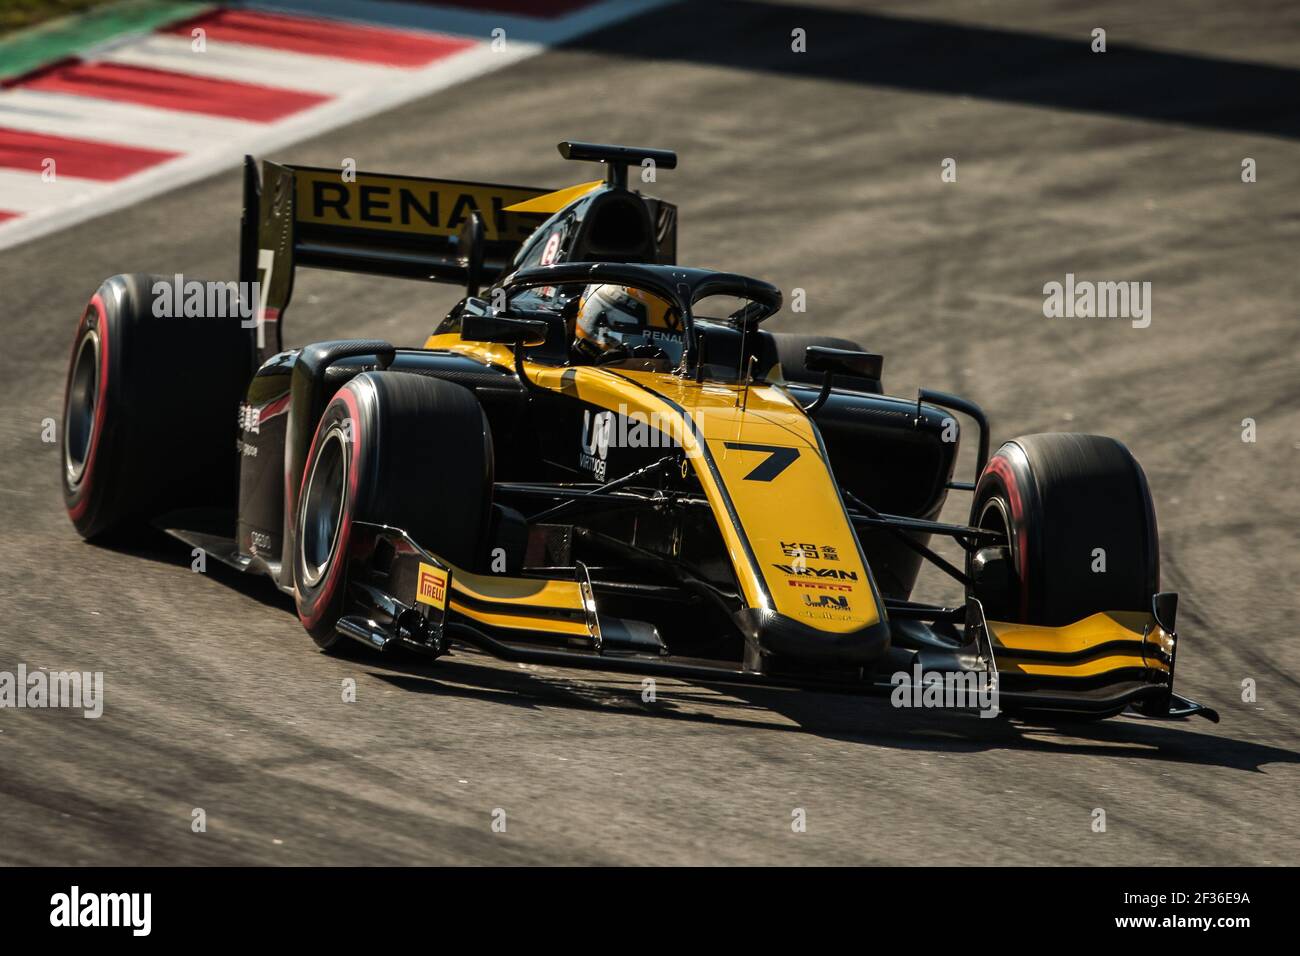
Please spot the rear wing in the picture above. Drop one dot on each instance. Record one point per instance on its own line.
(408, 227)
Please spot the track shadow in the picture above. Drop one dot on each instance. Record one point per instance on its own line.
(865, 720)
(877, 722)
(160, 548)
(928, 56)
(849, 719)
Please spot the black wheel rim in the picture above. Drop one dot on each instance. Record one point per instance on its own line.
(993, 517)
(322, 508)
(79, 415)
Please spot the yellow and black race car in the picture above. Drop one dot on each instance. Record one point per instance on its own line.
(601, 459)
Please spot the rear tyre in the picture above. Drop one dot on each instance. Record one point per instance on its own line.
(391, 448)
(150, 411)
(1070, 505)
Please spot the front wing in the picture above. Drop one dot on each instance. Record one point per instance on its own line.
(414, 599)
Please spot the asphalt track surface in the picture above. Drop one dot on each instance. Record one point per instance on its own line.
(820, 172)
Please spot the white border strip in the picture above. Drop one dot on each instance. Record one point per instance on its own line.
(450, 71)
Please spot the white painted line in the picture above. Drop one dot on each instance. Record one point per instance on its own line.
(254, 64)
(25, 192)
(125, 124)
(227, 152)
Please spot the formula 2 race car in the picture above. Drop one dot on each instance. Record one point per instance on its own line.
(601, 461)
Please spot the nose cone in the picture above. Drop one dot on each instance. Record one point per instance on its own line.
(775, 635)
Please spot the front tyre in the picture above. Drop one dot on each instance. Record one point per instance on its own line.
(391, 448)
(1080, 526)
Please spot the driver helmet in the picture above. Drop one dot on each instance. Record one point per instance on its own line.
(619, 319)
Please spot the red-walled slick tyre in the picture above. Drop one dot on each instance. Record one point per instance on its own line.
(391, 448)
(150, 411)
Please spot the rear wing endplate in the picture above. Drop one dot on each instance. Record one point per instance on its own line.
(408, 227)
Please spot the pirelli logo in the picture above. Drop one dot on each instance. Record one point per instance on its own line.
(817, 586)
(431, 587)
(430, 207)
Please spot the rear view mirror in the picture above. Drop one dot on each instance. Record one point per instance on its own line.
(503, 330)
(818, 358)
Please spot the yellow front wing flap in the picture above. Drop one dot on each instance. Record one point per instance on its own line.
(527, 604)
(1106, 641)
